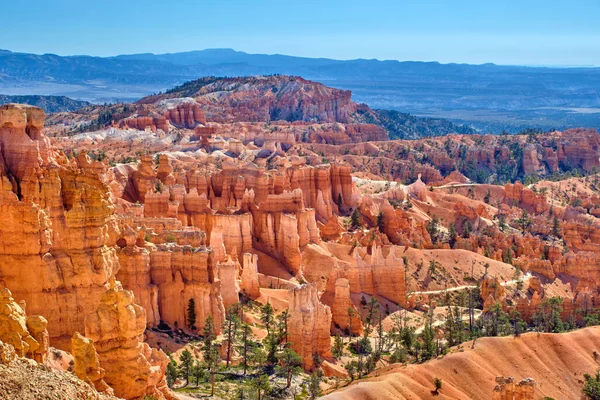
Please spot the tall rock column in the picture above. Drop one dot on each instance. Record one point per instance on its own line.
(309, 325)
(133, 370)
(249, 284)
(340, 309)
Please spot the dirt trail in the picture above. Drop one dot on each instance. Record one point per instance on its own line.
(525, 279)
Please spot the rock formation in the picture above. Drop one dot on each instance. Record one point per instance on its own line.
(249, 284)
(58, 225)
(308, 325)
(132, 369)
(340, 310)
(27, 335)
(87, 365)
(506, 389)
(23, 378)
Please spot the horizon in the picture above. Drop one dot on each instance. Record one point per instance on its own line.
(307, 57)
(538, 33)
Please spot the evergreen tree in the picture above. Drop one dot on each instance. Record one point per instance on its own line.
(501, 222)
(486, 198)
(556, 227)
(351, 369)
(340, 201)
(429, 346)
(191, 314)
(452, 235)
(437, 382)
(247, 348)
(380, 221)
(355, 219)
(208, 333)
(232, 322)
(289, 364)
(282, 326)
(591, 387)
(172, 372)
(261, 384)
(185, 368)
(433, 228)
(338, 347)
(467, 227)
(267, 317)
(524, 222)
(314, 384)
(213, 363)
(197, 372)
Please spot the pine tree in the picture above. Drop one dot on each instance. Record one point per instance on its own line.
(355, 219)
(452, 235)
(208, 333)
(232, 322)
(591, 387)
(289, 364)
(261, 383)
(191, 314)
(338, 347)
(486, 198)
(197, 372)
(267, 314)
(556, 227)
(380, 225)
(525, 221)
(467, 229)
(185, 368)
(247, 348)
(314, 384)
(437, 382)
(172, 372)
(282, 325)
(213, 363)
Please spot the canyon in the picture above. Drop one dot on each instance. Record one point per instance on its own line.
(120, 219)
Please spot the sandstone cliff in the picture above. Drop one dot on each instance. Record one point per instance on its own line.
(308, 325)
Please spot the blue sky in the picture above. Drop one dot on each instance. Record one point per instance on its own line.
(526, 32)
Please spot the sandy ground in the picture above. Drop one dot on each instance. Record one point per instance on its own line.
(556, 362)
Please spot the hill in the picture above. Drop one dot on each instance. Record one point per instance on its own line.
(488, 96)
(265, 99)
(556, 362)
(50, 104)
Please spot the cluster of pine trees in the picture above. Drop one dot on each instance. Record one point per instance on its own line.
(258, 362)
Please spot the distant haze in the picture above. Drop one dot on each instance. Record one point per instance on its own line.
(510, 32)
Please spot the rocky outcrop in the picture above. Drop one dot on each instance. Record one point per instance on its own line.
(249, 283)
(309, 324)
(506, 389)
(27, 335)
(164, 277)
(23, 378)
(86, 363)
(228, 272)
(59, 226)
(270, 99)
(342, 318)
(132, 369)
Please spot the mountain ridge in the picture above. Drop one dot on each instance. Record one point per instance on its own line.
(490, 97)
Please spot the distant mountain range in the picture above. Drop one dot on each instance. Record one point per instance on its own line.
(488, 96)
(50, 104)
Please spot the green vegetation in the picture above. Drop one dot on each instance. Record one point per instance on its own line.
(591, 387)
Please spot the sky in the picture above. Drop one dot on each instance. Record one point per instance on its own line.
(510, 32)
